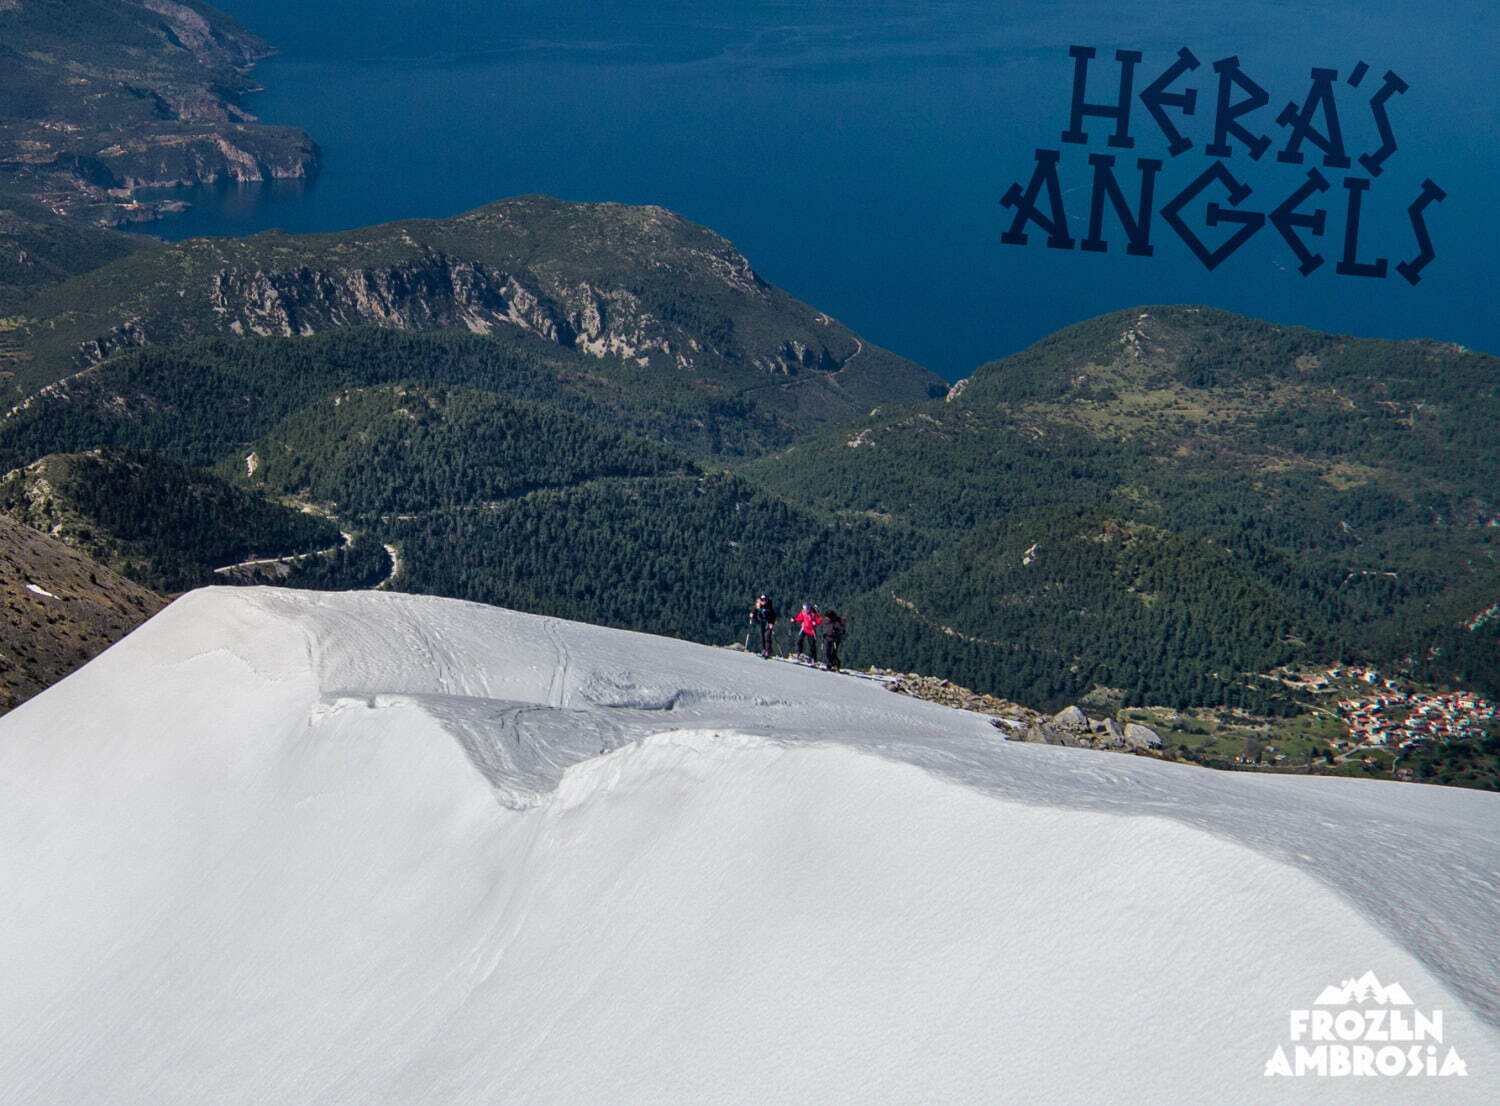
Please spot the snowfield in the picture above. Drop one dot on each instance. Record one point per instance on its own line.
(369, 848)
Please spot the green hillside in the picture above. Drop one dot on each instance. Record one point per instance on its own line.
(155, 520)
(1159, 508)
(676, 555)
(1347, 483)
(540, 503)
(516, 503)
(1053, 604)
(634, 300)
(400, 449)
(203, 398)
(39, 249)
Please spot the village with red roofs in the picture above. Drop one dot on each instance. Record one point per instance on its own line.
(1378, 712)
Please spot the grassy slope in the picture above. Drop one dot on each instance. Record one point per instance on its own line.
(44, 637)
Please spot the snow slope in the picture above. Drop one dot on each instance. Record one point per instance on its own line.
(285, 847)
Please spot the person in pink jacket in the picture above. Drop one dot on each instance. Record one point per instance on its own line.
(809, 620)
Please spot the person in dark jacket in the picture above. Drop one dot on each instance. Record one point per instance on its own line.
(808, 619)
(834, 625)
(763, 617)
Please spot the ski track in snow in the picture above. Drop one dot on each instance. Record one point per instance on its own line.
(557, 688)
(245, 861)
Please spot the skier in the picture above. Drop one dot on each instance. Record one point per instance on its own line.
(763, 617)
(809, 620)
(833, 636)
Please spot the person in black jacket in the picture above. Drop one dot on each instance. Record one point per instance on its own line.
(763, 616)
(834, 625)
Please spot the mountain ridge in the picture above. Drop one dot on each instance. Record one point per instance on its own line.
(610, 282)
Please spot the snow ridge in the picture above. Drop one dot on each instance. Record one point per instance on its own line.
(377, 848)
(589, 690)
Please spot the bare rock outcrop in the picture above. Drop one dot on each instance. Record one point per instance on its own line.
(1070, 727)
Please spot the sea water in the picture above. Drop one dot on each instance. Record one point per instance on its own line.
(857, 152)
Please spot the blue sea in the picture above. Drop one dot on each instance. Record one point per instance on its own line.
(857, 151)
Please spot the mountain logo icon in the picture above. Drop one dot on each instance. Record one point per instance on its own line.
(1366, 988)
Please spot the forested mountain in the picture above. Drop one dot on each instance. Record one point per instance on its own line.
(524, 405)
(153, 519)
(1058, 603)
(1301, 496)
(635, 298)
(520, 504)
(1167, 502)
(205, 397)
(370, 453)
(678, 555)
(101, 97)
(60, 610)
(39, 249)
(489, 498)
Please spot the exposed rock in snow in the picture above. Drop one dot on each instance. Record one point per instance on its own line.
(1071, 717)
(1143, 737)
